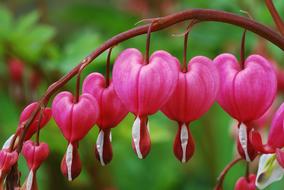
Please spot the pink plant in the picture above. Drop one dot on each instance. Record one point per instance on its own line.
(112, 111)
(74, 119)
(7, 160)
(34, 154)
(193, 96)
(26, 114)
(144, 89)
(246, 184)
(246, 92)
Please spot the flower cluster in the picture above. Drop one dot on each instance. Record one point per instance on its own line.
(244, 90)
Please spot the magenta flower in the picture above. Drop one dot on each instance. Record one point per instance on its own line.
(7, 160)
(144, 89)
(246, 93)
(275, 137)
(74, 119)
(34, 155)
(112, 111)
(193, 96)
(25, 115)
(246, 184)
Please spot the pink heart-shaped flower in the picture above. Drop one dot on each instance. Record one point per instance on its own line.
(7, 160)
(35, 154)
(26, 114)
(245, 93)
(112, 111)
(194, 94)
(144, 89)
(75, 119)
(246, 184)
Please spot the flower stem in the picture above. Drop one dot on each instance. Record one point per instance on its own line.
(148, 42)
(185, 42)
(225, 171)
(275, 15)
(108, 67)
(242, 52)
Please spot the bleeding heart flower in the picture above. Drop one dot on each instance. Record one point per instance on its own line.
(7, 160)
(275, 136)
(245, 93)
(194, 94)
(34, 155)
(26, 114)
(112, 111)
(144, 89)
(74, 119)
(246, 184)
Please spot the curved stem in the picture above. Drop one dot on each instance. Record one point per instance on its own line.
(242, 52)
(199, 14)
(225, 171)
(185, 42)
(108, 67)
(77, 95)
(275, 15)
(148, 43)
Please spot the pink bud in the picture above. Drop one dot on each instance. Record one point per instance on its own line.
(144, 88)
(74, 119)
(34, 155)
(71, 164)
(16, 69)
(7, 160)
(194, 94)
(246, 184)
(246, 93)
(27, 113)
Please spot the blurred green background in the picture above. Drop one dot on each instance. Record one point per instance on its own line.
(41, 40)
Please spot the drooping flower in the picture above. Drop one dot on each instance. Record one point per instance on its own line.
(144, 89)
(7, 160)
(246, 184)
(34, 155)
(27, 113)
(74, 119)
(193, 96)
(271, 166)
(112, 111)
(245, 93)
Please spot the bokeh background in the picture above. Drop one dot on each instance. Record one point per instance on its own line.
(41, 40)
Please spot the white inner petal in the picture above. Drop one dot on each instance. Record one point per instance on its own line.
(110, 136)
(100, 146)
(136, 136)
(244, 141)
(8, 142)
(184, 141)
(69, 158)
(30, 180)
(269, 171)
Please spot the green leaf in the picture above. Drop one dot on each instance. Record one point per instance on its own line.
(5, 22)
